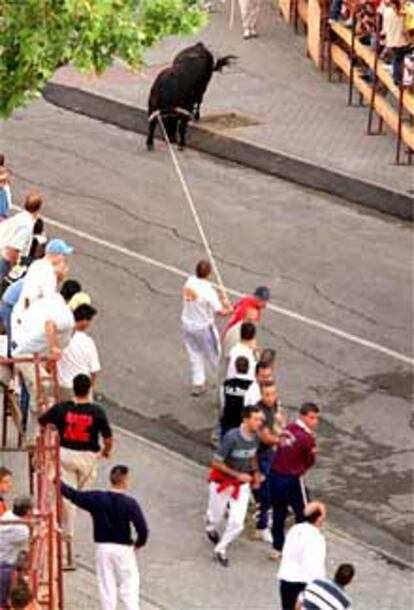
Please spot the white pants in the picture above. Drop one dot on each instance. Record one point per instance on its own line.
(116, 567)
(237, 510)
(202, 346)
(249, 10)
(79, 471)
(28, 372)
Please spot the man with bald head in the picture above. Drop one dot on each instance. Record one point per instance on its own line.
(303, 555)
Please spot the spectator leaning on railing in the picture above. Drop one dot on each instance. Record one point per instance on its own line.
(396, 36)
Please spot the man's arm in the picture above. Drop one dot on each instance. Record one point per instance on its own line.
(48, 417)
(222, 467)
(267, 437)
(83, 499)
(106, 431)
(54, 350)
(108, 445)
(140, 524)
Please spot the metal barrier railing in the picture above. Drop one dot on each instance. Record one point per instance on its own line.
(45, 571)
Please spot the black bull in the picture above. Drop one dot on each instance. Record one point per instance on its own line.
(177, 92)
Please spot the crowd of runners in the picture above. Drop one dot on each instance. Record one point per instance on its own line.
(260, 457)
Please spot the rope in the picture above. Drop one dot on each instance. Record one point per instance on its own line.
(193, 209)
(232, 13)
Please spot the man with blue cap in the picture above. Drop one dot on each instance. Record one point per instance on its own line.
(43, 277)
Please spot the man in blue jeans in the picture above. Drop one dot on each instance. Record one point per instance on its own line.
(296, 454)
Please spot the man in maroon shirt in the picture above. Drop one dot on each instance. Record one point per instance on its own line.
(295, 455)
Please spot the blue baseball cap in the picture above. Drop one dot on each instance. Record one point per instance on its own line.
(58, 246)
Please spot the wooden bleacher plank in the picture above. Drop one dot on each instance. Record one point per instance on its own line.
(368, 55)
(303, 10)
(382, 106)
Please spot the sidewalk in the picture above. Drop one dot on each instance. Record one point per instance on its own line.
(274, 98)
(177, 571)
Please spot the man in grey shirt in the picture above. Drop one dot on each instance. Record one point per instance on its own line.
(14, 538)
(234, 471)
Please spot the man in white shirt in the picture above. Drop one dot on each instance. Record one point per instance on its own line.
(246, 347)
(18, 230)
(303, 555)
(263, 374)
(200, 304)
(42, 277)
(46, 329)
(81, 355)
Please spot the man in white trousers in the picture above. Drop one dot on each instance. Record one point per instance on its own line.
(114, 514)
(249, 10)
(200, 304)
(234, 472)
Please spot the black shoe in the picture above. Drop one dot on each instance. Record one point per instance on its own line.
(213, 536)
(222, 558)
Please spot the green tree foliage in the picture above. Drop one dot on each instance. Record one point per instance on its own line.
(38, 36)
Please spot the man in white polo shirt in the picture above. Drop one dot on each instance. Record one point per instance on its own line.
(247, 348)
(18, 229)
(81, 355)
(303, 555)
(46, 329)
(200, 304)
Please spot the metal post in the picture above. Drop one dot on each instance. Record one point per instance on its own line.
(374, 79)
(352, 59)
(400, 116)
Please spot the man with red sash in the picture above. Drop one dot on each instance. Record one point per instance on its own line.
(234, 471)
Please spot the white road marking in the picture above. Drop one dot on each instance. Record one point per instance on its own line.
(337, 332)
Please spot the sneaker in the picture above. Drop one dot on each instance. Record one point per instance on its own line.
(253, 34)
(275, 555)
(198, 390)
(222, 558)
(247, 34)
(213, 536)
(264, 535)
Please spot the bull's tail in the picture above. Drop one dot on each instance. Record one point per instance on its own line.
(222, 62)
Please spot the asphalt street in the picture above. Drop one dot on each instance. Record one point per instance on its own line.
(332, 263)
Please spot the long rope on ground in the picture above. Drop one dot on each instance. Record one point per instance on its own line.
(193, 209)
(232, 13)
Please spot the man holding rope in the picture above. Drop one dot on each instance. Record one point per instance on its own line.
(201, 303)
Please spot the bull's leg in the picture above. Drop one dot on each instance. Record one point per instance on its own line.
(170, 125)
(197, 107)
(182, 130)
(152, 125)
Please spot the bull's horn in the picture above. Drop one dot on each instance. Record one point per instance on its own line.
(154, 115)
(183, 111)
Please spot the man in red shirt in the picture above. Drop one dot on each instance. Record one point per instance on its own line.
(295, 455)
(257, 301)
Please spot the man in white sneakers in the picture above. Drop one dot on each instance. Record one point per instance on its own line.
(200, 305)
(249, 10)
(234, 472)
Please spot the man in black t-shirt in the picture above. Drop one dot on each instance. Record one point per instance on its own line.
(233, 392)
(80, 425)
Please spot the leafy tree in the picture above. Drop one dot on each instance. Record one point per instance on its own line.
(38, 36)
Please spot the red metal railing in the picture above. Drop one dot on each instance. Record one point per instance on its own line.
(45, 567)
